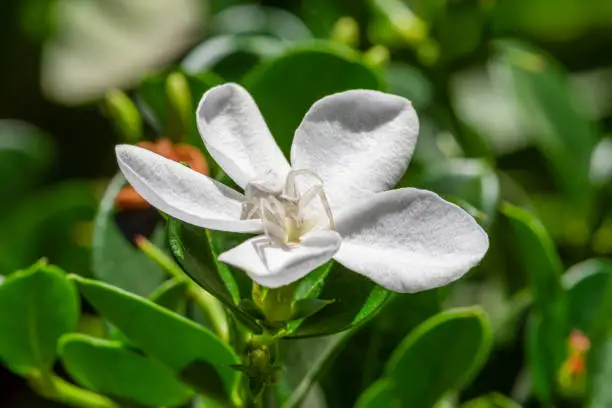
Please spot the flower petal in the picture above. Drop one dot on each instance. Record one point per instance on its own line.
(183, 193)
(359, 142)
(238, 138)
(273, 266)
(409, 240)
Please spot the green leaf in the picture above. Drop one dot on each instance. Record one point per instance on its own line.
(446, 351)
(356, 299)
(39, 305)
(53, 221)
(589, 286)
(115, 260)
(256, 19)
(172, 294)
(493, 400)
(171, 338)
(196, 250)
(111, 369)
(307, 307)
(547, 327)
(407, 81)
(550, 112)
(232, 56)
(471, 180)
(286, 87)
(599, 373)
(24, 150)
(304, 360)
(192, 248)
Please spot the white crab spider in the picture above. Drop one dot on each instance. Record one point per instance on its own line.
(284, 215)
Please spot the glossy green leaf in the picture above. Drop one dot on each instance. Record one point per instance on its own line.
(117, 261)
(24, 150)
(407, 81)
(304, 360)
(471, 180)
(230, 56)
(257, 19)
(53, 222)
(599, 374)
(192, 248)
(356, 299)
(196, 250)
(109, 368)
(285, 87)
(304, 308)
(550, 113)
(169, 337)
(547, 328)
(589, 286)
(446, 351)
(172, 294)
(38, 306)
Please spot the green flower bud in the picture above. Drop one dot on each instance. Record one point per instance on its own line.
(178, 105)
(346, 31)
(120, 108)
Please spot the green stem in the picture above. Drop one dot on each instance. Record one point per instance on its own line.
(207, 302)
(67, 393)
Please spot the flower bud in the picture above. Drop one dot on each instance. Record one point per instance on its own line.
(178, 105)
(346, 31)
(120, 108)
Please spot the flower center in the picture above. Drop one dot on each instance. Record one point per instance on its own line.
(289, 214)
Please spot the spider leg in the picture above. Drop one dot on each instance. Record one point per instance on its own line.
(314, 192)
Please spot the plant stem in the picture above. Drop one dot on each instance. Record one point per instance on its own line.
(57, 389)
(207, 302)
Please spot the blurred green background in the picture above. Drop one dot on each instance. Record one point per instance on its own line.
(515, 101)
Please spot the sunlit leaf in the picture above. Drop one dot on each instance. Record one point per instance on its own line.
(109, 368)
(44, 306)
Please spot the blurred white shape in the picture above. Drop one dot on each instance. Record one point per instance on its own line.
(104, 44)
(485, 107)
(594, 90)
(601, 162)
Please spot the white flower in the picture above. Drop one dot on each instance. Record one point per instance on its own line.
(329, 203)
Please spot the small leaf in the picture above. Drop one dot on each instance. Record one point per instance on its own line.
(47, 306)
(471, 180)
(194, 249)
(356, 299)
(550, 113)
(169, 337)
(249, 307)
(547, 328)
(191, 247)
(111, 369)
(446, 351)
(171, 294)
(308, 307)
(115, 259)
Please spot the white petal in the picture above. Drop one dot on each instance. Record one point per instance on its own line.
(409, 240)
(359, 142)
(183, 193)
(238, 138)
(273, 266)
